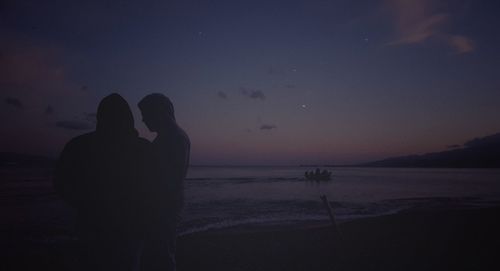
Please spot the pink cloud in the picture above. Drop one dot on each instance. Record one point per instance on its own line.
(461, 44)
(417, 21)
(34, 74)
(29, 67)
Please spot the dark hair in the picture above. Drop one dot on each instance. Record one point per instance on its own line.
(159, 104)
(114, 116)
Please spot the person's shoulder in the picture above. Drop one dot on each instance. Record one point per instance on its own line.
(183, 136)
(81, 140)
(143, 141)
(77, 146)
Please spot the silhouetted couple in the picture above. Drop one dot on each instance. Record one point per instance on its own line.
(127, 191)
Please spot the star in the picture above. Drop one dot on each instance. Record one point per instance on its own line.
(201, 35)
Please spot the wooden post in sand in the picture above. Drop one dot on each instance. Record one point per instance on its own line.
(340, 248)
(330, 213)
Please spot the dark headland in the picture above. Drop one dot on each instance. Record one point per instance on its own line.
(476, 153)
(481, 152)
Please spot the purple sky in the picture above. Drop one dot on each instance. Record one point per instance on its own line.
(257, 82)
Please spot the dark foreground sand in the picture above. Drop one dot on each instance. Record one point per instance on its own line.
(416, 240)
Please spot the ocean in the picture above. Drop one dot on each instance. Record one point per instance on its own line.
(225, 197)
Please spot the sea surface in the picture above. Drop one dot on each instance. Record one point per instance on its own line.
(224, 197)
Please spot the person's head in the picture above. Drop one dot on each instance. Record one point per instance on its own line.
(157, 111)
(114, 116)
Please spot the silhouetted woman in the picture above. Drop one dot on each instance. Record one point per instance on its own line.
(100, 174)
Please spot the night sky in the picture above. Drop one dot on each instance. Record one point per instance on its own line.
(257, 82)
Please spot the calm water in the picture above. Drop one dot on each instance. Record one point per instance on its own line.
(219, 197)
(227, 196)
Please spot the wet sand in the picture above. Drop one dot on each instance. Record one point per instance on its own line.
(413, 240)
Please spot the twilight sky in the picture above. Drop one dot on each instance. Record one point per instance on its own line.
(257, 82)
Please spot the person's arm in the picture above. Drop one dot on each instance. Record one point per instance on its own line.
(180, 159)
(65, 174)
(170, 161)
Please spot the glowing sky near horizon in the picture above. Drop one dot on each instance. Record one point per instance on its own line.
(257, 82)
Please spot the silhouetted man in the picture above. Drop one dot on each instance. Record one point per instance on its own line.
(170, 153)
(99, 174)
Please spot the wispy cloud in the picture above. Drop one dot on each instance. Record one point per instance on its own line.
(90, 117)
(31, 67)
(222, 95)
(275, 71)
(253, 93)
(14, 102)
(49, 110)
(417, 21)
(86, 122)
(268, 126)
(454, 146)
(76, 125)
(33, 72)
(461, 44)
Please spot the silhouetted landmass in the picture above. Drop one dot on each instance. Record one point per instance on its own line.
(10, 159)
(477, 153)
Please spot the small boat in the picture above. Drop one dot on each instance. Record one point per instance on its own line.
(318, 175)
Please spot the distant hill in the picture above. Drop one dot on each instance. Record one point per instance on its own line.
(477, 153)
(9, 159)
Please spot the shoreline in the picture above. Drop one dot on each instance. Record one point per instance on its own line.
(462, 239)
(412, 240)
(430, 204)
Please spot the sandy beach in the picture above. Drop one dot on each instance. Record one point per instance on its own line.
(412, 240)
